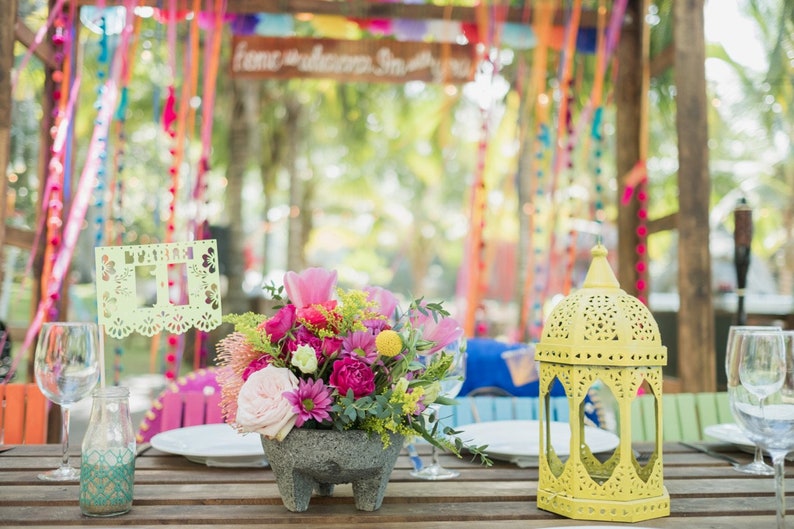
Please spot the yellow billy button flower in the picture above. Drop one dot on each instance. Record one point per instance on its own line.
(389, 343)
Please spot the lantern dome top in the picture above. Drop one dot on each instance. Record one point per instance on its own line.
(601, 324)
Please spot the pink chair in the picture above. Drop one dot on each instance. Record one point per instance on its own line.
(191, 400)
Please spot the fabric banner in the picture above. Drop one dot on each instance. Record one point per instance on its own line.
(351, 60)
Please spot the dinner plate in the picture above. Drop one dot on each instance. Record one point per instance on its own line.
(212, 445)
(514, 440)
(729, 433)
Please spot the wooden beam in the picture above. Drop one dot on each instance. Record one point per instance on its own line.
(666, 223)
(43, 51)
(19, 238)
(366, 9)
(696, 359)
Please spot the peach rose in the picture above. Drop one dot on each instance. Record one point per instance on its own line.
(261, 406)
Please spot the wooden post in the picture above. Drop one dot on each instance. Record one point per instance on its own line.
(9, 8)
(696, 354)
(631, 99)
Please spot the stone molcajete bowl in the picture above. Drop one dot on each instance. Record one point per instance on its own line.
(316, 460)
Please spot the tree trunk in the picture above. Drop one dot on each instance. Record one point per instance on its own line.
(273, 153)
(243, 94)
(296, 239)
(7, 39)
(696, 357)
(631, 96)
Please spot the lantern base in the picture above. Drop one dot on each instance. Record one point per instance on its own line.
(605, 510)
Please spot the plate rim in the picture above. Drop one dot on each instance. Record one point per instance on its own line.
(614, 439)
(236, 450)
(722, 435)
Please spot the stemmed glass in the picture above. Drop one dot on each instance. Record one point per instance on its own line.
(450, 387)
(761, 393)
(757, 466)
(67, 369)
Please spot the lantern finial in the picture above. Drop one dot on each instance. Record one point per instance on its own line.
(600, 274)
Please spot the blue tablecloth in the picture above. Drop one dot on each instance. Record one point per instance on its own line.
(485, 367)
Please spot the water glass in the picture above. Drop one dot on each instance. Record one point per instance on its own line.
(66, 368)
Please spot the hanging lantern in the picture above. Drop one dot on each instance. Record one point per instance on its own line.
(601, 336)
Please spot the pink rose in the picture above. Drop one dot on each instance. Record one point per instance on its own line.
(313, 285)
(280, 324)
(319, 315)
(352, 373)
(331, 346)
(261, 406)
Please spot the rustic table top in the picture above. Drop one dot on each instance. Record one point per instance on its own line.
(170, 490)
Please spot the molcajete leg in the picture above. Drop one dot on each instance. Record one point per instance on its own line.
(368, 493)
(295, 489)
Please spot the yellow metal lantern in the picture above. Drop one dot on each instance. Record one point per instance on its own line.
(600, 336)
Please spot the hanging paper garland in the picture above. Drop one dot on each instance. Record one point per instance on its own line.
(531, 319)
(409, 30)
(519, 36)
(274, 25)
(476, 244)
(101, 178)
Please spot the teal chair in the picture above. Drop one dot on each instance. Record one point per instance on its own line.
(485, 408)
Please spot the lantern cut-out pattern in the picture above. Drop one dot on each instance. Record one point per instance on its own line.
(601, 336)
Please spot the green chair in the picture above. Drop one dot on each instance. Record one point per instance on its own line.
(684, 415)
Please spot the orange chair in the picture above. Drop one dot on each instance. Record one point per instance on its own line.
(23, 414)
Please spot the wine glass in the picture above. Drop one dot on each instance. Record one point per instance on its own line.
(450, 387)
(761, 393)
(757, 466)
(67, 369)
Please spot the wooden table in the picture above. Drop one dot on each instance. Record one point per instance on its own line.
(169, 490)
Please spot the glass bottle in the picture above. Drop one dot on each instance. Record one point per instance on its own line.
(107, 469)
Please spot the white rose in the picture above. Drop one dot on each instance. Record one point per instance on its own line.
(305, 359)
(432, 392)
(261, 408)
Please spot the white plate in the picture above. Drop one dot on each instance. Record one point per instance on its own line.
(511, 440)
(212, 445)
(729, 433)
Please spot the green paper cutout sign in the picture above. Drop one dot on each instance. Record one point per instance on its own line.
(138, 288)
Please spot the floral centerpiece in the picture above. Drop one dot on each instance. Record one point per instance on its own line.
(336, 359)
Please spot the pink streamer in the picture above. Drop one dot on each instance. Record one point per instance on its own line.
(57, 147)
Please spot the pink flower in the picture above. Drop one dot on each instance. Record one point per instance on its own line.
(331, 346)
(351, 373)
(319, 315)
(361, 345)
(442, 332)
(261, 406)
(304, 336)
(313, 285)
(387, 302)
(312, 400)
(257, 364)
(280, 324)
